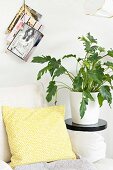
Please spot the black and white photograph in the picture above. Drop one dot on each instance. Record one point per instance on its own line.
(24, 41)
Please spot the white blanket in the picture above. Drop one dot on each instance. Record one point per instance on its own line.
(79, 164)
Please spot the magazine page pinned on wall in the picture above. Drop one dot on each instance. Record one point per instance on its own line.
(25, 9)
(24, 19)
(24, 41)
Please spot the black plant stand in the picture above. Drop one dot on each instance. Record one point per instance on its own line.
(101, 125)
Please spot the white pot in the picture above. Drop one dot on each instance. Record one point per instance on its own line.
(92, 112)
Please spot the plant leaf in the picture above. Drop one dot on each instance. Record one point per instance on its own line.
(61, 70)
(42, 59)
(77, 83)
(101, 49)
(42, 72)
(100, 99)
(108, 78)
(94, 57)
(110, 53)
(109, 64)
(88, 95)
(79, 59)
(51, 90)
(91, 38)
(83, 74)
(54, 65)
(83, 104)
(97, 74)
(69, 56)
(94, 76)
(105, 93)
(86, 63)
(88, 40)
(86, 43)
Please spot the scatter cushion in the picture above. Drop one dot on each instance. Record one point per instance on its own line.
(30, 95)
(37, 135)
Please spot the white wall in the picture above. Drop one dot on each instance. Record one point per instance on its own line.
(64, 21)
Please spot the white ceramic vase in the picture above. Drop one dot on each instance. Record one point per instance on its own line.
(91, 114)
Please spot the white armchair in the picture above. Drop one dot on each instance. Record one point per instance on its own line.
(104, 164)
(4, 166)
(36, 98)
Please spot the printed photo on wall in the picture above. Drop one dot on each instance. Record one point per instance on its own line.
(24, 19)
(24, 41)
(24, 10)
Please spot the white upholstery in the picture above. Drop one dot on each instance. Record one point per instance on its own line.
(29, 96)
(89, 145)
(19, 96)
(4, 166)
(104, 164)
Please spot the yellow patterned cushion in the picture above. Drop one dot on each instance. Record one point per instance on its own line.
(37, 135)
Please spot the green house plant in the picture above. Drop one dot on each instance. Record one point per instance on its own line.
(93, 77)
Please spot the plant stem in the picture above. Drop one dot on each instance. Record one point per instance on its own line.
(72, 79)
(106, 69)
(71, 74)
(55, 98)
(64, 88)
(104, 56)
(76, 67)
(63, 84)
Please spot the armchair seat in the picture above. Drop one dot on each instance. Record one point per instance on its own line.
(104, 164)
